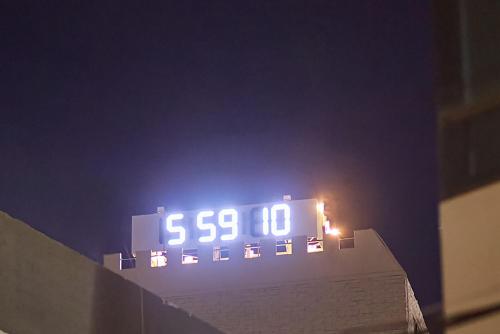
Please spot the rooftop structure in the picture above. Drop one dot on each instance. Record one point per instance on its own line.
(303, 284)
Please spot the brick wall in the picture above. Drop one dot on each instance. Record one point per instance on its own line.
(415, 317)
(334, 291)
(322, 306)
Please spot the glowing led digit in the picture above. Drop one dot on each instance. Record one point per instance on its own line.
(286, 219)
(176, 229)
(206, 226)
(265, 221)
(233, 223)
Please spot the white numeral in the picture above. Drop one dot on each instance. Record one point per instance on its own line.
(265, 221)
(206, 226)
(286, 218)
(176, 229)
(233, 223)
(274, 223)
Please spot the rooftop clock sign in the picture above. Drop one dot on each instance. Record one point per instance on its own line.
(245, 223)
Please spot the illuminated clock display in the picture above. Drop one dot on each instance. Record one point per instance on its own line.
(227, 221)
(245, 223)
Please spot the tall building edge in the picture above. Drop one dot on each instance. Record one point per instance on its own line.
(468, 98)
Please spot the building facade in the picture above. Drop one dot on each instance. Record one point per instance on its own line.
(468, 96)
(308, 285)
(49, 288)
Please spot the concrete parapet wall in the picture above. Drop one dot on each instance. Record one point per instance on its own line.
(370, 255)
(48, 288)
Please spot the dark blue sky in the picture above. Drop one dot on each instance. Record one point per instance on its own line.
(110, 109)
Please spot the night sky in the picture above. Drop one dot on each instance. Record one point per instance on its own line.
(110, 109)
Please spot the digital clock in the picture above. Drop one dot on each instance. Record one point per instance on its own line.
(246, 223)
(228, 220)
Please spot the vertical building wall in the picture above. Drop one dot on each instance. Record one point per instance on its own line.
(415, 319)
(467, 49)
(48, 288)
(468, 87)
(325, 292)
(470, 232)
(314, 306)
(468, 91)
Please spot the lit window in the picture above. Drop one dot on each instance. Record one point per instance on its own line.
(284, 247)
(221, 253)
(189, 256)
(314, 245)
(158, 259)
(252, 251)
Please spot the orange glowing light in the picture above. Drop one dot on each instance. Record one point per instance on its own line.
(331, 230)
(335, 231)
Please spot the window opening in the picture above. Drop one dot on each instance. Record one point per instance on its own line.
(127, 263)
(314, 245)
(284, 247)
(158, 259)
(346, 243)
(221, 253)
(252, 251)
(189, 256)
